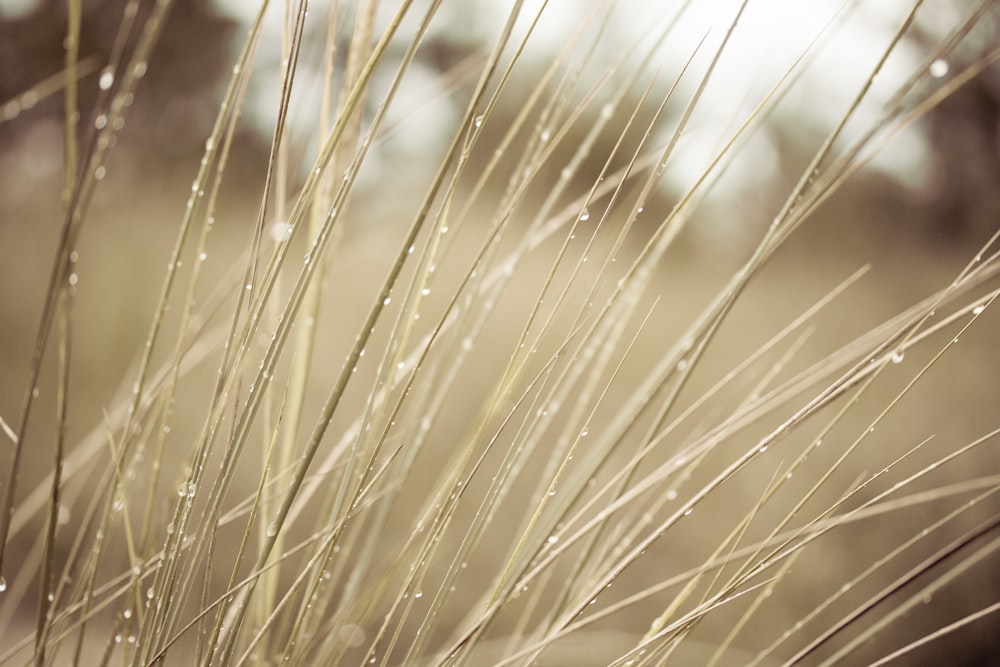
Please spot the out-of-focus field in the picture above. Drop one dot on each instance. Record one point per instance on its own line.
(126, 244)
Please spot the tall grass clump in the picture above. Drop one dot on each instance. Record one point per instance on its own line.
(514, 398)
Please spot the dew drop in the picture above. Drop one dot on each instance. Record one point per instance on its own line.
(478, 121)
(107, 78)
(100, 122)
(3, 584)
(979, 309)
(202, 256)
(584, 215)
(897, 357)
(939, 68)
(386, 301)
(552, 539)
(280, 231)
(11, 110)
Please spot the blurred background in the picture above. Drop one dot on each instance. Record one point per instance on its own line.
(917, 213)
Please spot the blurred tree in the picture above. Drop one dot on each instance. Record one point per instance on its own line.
(191, 55)
(964, 198)
(179, 97)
